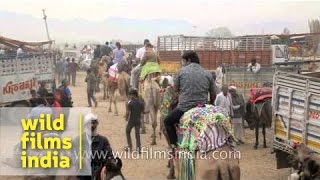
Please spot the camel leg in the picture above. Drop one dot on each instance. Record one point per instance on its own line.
(146, 118)
(154, 125)
(115, 105)
(110, 103)
(171, 174)
(264, 135)
(104, 91)
(143, 126)
(161, 126)
(257, 135)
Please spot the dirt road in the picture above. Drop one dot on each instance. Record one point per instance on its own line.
(255, 164)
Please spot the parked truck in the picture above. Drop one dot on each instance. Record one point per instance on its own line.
(18, 76)
(296, 112)
(235, 51)
(214, 52)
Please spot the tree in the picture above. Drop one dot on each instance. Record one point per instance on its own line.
(219, 32)
(286, 31)
(314, 27)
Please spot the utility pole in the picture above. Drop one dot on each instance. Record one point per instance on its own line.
(45, 22)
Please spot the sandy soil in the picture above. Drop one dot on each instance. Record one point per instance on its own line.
(254, 164)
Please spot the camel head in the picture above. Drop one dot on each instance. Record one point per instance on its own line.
(306, 161)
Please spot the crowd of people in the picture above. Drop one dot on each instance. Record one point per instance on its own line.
(193, 85)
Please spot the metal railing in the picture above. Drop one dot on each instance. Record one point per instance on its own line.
(181, 43)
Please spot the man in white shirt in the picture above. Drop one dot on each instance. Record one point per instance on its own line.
(224, 100)
(134, 79)
(253, 66)
(19, 51)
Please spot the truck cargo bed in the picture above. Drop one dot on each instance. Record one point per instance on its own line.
(296, 110)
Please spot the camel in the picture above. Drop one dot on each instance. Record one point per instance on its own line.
(122, 85)
(150, 92)
(206, 162)
(105, 60)
(306, 161)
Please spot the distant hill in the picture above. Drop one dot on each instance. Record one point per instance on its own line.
(27, 27)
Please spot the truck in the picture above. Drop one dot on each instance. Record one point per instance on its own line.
(18, 76)
(71, 53)
(214, 52)
(296, 113)
(232, 51)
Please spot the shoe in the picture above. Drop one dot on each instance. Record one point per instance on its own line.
(139, 150)
(241, 142)
(127, 149)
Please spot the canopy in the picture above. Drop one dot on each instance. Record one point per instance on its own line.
(27, 45)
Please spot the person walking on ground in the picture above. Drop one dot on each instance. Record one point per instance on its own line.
(238, 105)
(135, 108)
(91, 84)
(73, 66)
(66, 69)
(59, 70)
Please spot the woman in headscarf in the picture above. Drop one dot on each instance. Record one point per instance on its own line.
(237, 107)
(150, 62)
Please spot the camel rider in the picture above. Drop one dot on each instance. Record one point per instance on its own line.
(136, 70)
(193, 84)
(105, 50)
(96, 53)
(150, 62)
(118, 55)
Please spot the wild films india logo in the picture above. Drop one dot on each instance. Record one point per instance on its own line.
(49, 143)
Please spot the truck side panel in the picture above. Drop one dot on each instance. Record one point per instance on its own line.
(19, 76)
(244, 80)
(296, 104)
(211, 59)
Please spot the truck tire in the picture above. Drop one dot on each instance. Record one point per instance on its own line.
(282, 159)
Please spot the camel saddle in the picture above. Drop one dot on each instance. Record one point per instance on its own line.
(259, 94)
(113, 73)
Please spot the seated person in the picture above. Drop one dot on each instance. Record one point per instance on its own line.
(253, 66)
(150, 62)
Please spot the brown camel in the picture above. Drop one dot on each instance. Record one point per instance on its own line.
(150, 92)
(122, 85)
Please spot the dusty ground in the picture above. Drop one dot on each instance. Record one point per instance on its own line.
(255, 164)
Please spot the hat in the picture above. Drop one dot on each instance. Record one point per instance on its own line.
(232, 87)
(41, 109)
(90, 117)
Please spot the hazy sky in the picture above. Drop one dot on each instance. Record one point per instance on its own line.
(196, 11)
(204, 14)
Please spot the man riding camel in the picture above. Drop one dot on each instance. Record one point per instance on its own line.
(193, 83)
(149, 63)
(136, 70)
